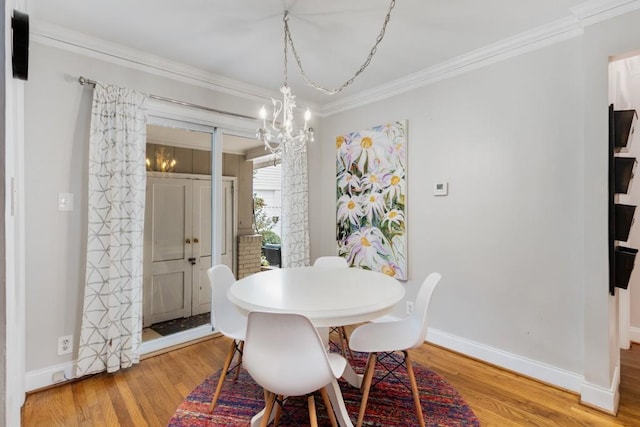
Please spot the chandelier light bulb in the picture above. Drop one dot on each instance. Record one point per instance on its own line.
(263, 116)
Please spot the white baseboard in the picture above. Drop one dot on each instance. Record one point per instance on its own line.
(175, 339)
(590, 394)
(513, 362)
(634, 334)
(600, 397)
(42, 378)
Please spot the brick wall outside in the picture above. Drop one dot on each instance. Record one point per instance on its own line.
(249, 252)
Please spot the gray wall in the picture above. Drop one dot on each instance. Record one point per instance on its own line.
(508, 237)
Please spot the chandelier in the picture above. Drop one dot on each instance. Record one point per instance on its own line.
(164, 161)
(278, 134)
(276, 138)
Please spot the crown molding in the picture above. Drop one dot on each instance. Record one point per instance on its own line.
(513, 46)
(594, 11)
(589, 13)
(62, 38)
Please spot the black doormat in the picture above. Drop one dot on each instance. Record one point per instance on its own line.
(182, 324)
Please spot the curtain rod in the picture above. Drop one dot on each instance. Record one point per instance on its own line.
(84, 81)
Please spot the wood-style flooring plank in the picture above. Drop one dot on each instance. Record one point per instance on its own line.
(151, 404)
(149, 393)
(93, 408)
(109, 407)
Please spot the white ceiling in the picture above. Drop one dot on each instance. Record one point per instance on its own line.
(242, 40)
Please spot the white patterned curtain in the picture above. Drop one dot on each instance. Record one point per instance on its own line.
(111, 330)
(295, 208)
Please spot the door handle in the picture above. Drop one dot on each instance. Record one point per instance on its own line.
(195, 240)
(192, 261)
(188, 241)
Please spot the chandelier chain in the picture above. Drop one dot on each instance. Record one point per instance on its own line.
(289, 39)
(285, 18)
(281, 137)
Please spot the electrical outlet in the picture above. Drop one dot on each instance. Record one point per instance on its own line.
(65, 344)
(58, 377)
(409, 307)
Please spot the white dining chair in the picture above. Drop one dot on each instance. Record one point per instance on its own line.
(336, 262)
(396, 336)
(286, 356)
(227, 320)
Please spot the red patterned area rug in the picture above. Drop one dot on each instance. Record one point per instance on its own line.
(390, 402)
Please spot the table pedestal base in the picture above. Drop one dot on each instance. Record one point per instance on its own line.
(335, 396)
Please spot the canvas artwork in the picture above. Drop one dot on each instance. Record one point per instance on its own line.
(371, 187)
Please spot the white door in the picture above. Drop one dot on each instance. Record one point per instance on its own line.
(167, 270)
(201, 255)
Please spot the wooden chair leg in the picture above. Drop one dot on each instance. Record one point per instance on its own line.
(313, 418)
(223, 375)
(239, 361)
(335, 330)
(346, 337)
(344, 342)
(278, 416)
(414, 388)
(366, 385)
(327, 403)
(271, 398)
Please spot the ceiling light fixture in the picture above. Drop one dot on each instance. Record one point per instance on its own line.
(282, 136)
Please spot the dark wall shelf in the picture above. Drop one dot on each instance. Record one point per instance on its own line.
(623, 172)
(624, 121)
(624, 219)
(621, 259)
(625, 258)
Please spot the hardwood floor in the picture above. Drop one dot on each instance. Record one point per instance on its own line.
(147, 394)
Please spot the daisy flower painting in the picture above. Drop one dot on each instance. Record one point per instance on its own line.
(371, 194)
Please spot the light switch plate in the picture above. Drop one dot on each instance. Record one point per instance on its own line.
(65, 202)
(441, 189)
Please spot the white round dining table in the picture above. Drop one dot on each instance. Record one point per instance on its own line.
(328, 296)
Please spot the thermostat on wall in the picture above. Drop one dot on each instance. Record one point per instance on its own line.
(440, 189)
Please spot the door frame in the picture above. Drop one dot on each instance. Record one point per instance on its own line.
(234, 226)
(168, 114)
